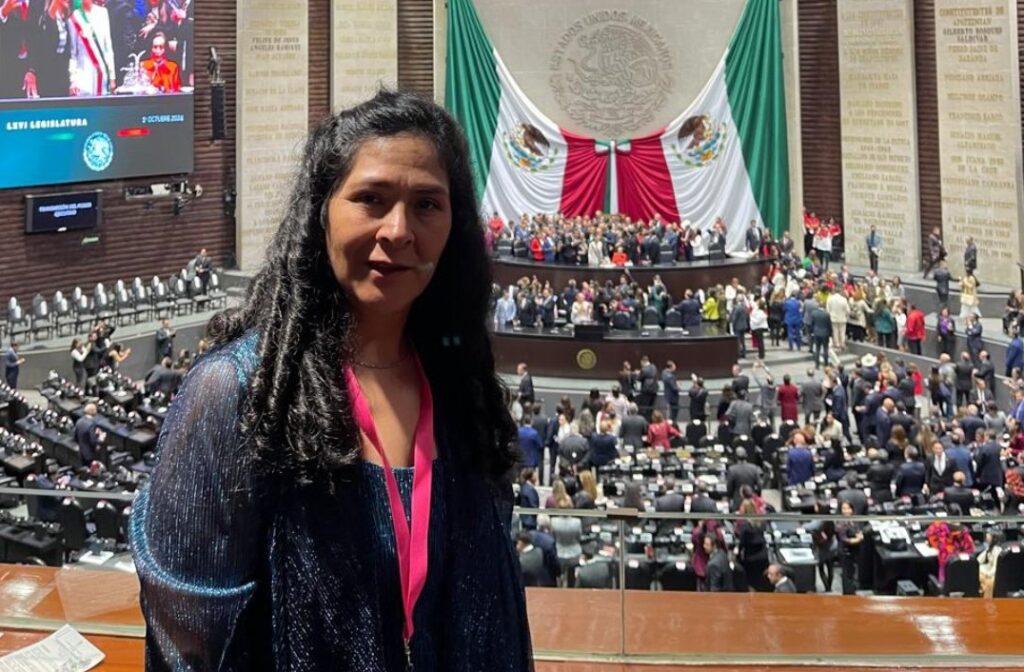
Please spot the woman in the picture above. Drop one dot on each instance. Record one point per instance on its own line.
(789, 400)
(660, 432)
(858, 321)
(850, 535)
(823, 245)
(885, 324)
(79, 351)
(115, 355)
(988, 561)
(294, 433)
(776, 315)
(945, 332)
(752, 548)
(586, 497)
(758, 325)
(969, 296)
(559, 497)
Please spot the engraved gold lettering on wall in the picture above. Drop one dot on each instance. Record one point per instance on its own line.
(979, 133)
(272, 116)
(364, 46)
(876, 77)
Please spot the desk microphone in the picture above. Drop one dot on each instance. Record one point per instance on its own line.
(426, 266)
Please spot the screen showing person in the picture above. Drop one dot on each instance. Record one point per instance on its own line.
(163, 73)
(91, 67)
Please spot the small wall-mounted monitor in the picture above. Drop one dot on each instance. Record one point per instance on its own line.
(57, 213)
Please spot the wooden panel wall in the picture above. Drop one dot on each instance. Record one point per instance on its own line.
(136, 239)
(927, 118)
(820, 110)
(416, 46)
(319, 60)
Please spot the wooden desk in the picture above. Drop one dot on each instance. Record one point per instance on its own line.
(866, 629)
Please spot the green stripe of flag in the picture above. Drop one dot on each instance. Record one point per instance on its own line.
(757, 96)
(472, 90)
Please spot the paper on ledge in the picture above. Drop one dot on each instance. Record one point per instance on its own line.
(63, 651)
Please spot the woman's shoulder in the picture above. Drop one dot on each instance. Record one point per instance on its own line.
(237, 358)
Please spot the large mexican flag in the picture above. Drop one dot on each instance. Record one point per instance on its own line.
(724, 156)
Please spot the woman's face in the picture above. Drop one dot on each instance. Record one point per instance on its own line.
(388, 223)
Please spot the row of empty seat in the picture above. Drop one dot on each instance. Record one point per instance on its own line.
(67, 315)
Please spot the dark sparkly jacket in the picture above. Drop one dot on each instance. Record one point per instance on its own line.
(234, 578)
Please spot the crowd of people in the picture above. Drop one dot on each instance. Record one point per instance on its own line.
(615, 239)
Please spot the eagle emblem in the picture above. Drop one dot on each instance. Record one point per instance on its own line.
(528, 149)
(700, 141)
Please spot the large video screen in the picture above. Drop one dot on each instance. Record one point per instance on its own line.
(95, 90)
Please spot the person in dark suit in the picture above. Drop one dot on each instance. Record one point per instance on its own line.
(942, 277)
(981, 395)
(671, 389)
(531, 562)
(986, 371)
(883, 421)
(528, 496)
(959, 494)
(740, 414)
(12, 365)
(964, 371)
(910, 477)
(719, 571)
(988, 474)
(880, 475)
(963, 462)
(857, 499)
(1014, 355)
(740, 474)
(648, 387)
(939, 469)
(777, 577)
(701, 503)
(821, 332)
(633, 428)
(974, 331)
(698, 399)
(799, 461)
(970, 256)
(754, 238)
(740, 380)
(525, 384)
(203, 267)
(165, 340)
(689, 310)
(530, 442)
(603, 448)
(87, 435)
(671, 501)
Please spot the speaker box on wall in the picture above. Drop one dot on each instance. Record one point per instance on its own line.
(217, 112)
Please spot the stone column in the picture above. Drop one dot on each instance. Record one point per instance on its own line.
(364, 49)
(879, 126)
(979, 134)
(272, 117)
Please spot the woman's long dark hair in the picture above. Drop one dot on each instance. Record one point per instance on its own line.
(297, 415)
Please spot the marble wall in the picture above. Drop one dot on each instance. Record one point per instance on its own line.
(879, 130)
(364, 49)
(980, 133)
(272, 116)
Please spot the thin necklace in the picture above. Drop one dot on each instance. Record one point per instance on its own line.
(389, 365)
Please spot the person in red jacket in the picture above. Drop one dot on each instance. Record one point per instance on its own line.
(915, 329)
(536, 248)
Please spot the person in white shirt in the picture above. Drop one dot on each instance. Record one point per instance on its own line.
(91, 64)
(759, 325)
(582, 310)
(839, 312)
(595, 250)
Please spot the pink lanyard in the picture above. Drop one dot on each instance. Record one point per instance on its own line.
(410, 545)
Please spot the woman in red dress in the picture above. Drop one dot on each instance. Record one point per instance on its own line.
(789, 399)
